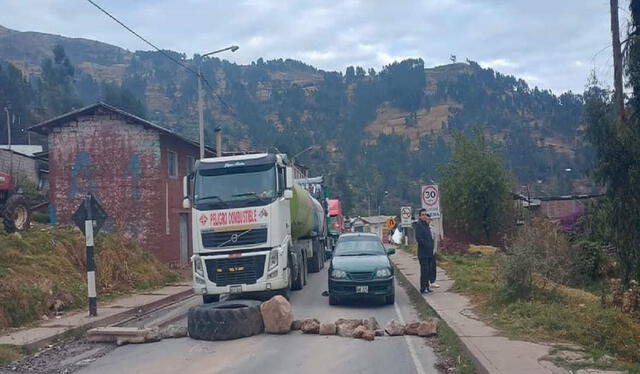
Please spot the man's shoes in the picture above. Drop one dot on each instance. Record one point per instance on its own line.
(435, 285)
(425, 292)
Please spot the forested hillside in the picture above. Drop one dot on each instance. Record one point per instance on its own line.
(370, 131)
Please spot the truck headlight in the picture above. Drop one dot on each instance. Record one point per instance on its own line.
(197, 265)
(338, 273)
(383, 273)
(273, 259)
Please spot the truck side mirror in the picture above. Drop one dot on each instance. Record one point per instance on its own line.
(186, 187)
(289, 179)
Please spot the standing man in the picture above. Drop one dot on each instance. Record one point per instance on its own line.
(425, 251)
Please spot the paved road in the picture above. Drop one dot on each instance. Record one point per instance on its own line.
(290, 353)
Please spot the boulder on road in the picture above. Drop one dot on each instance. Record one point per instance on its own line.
(328, 328)
(371, 323)
(310, 326)
(296, 325)
(361, 332)
(379, 332)
(394, 328)
(277, 315)
(173, 331)
(428, 328)
(412, 328)
(346, 327)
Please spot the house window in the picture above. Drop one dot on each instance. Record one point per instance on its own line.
(190, 164)
(172, 159)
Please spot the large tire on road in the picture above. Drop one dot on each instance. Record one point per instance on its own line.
(226, 320)
(17, 214)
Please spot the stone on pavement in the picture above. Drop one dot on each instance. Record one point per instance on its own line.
(346, 327)
(310, 326)
(379, 332)
(174, 331)
(428, 328)
(296, 325)
(277, 315)
(328, 328)
(123, 335)
(394, 328)
(361, 332)
(412, 328)
(371, 323)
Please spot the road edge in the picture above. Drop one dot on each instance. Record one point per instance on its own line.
(128, 314)
(416, 297)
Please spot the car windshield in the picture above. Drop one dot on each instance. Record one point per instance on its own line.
(235, 187)
(359, 246)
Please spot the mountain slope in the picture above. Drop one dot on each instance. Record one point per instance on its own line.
(373, 131)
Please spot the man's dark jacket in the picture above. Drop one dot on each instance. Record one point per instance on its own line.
(424, 239)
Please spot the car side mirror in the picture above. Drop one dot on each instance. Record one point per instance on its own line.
(391, 251)
(288, 194)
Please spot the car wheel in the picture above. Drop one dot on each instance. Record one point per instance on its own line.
(391, 299)
(333, 300)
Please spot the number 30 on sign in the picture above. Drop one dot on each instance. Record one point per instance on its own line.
(430, 196)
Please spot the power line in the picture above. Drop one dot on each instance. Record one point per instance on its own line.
(165, 54)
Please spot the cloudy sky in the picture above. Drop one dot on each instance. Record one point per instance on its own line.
(552, 44)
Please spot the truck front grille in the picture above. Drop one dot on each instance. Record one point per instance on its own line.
(234, 238)
(230, 271)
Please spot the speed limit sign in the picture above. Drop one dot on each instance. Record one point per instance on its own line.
(430, 196)
(405, 216)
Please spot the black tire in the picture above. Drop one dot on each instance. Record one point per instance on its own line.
(208, 299)
(391, 299)
(227, 320)
(333, 300)
(298, 281)
(17, 207)
(305, 271)
(316, 263)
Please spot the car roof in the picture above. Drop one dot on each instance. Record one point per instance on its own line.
(358, 234)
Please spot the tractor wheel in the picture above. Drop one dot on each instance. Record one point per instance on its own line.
(17, 214)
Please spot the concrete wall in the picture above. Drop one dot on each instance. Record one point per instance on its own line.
(125, 166)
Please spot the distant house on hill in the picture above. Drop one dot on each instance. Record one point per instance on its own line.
(134, 168)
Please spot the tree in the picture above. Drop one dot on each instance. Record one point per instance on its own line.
(122, 98)
(476, 189)
(56, 83)
(616, 140)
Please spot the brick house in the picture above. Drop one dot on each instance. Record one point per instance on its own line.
(134, 168)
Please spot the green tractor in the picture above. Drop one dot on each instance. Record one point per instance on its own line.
(14, 207)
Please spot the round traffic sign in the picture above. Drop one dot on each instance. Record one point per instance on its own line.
(405, 212)
(430, 196)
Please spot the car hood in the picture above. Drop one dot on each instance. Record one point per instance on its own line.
(360, 263)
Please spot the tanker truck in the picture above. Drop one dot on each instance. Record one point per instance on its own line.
(253, 229)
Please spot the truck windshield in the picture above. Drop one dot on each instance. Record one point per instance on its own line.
(235, 187)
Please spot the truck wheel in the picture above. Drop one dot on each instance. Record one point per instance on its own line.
(226, 320)
(17, 214)
(208, 299)
(298, 281)
(315, 263)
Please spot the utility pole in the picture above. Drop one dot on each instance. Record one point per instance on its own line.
(200, 113)
(617, 61)
(6, 109)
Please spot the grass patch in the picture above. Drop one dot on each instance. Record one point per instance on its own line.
(452, 347)
(552, 313)
(11, 353)
(47, 265)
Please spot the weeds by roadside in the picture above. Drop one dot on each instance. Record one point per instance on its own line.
(42, 271)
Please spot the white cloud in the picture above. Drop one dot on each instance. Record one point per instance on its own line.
(521, 38)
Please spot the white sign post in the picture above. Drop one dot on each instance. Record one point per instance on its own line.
(430, 197)
(405, 216)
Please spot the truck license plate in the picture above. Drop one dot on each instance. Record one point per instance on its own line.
(362, 289)
(235, 289)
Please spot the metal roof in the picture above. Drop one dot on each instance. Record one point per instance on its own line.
(44, 127)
